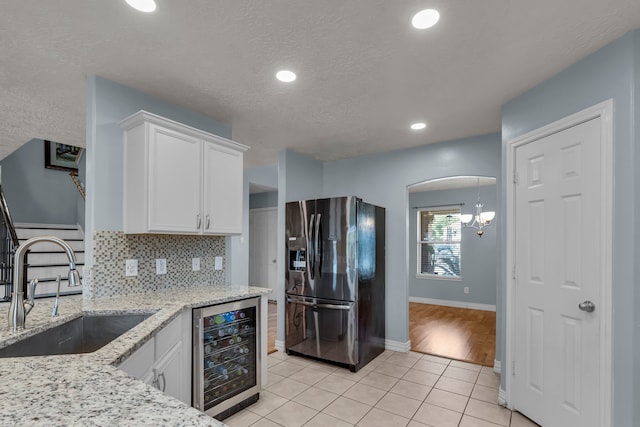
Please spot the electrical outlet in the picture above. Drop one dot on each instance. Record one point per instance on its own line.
(161, 266)
(195, 264)
(218, 263)
(466, 289)
(131, 268)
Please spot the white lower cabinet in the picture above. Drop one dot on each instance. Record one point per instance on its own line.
(169, 374)
(164, 361)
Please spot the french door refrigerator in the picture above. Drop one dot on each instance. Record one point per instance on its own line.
(335, 280)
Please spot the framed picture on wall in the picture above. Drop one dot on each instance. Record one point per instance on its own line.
(61, 156)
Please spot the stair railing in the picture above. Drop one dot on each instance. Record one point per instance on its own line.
(8, 244)
(76, 181)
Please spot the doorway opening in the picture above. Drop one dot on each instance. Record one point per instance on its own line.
(452, 269)
(263, 213)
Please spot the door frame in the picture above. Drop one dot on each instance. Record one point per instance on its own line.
(604, 111)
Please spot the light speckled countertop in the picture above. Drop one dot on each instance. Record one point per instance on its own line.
(87, 389)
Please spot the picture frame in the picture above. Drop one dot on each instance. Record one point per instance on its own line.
(62, 157)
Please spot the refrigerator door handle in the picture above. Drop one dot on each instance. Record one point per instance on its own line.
(319, 305)
(310, 245)
(318, 248)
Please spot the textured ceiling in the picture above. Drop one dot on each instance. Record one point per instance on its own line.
(364, 74)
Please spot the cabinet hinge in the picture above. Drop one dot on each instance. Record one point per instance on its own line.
(513, 367)
(516, 177)
(513, 273)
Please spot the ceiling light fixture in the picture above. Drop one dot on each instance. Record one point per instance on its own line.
(286, 76)
(426, 18)
(142, 5)
(418, 126)
(481, 219)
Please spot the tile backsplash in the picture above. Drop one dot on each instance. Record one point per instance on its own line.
(112, 248)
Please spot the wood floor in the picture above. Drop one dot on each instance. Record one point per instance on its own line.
(272, 326)
(456, 333)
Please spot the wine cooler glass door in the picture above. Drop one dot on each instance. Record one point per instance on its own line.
(228, 357)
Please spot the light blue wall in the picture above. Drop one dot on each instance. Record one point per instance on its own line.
(82, 177)
(107, 104)
(609, 73)
(263, 200)
(478, 260)
(382, 179)
(38, 195)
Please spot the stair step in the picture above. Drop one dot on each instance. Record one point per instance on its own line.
(76, 245)
(50, 272)
(52, 258)
(27, 233)
(49, 289)
(49, 226)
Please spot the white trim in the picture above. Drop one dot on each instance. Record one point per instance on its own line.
(427, 276)
(497, 367)
(403, 347)
(270, 208)
(604, 111)
(279, 345)
(458, 304)
(40, 225)
(502, 397)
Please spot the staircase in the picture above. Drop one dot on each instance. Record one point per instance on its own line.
(48, 260)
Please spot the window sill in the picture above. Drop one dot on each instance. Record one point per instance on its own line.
(438, 277)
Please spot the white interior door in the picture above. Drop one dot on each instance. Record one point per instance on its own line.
(262, 248)
(558, 225)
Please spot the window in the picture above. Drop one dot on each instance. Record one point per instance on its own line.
(439, 242)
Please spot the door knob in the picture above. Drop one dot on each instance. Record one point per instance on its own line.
(587, 306)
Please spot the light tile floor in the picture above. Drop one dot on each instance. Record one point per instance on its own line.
(396, 389)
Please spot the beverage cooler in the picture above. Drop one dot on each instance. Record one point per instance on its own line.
(226, 357)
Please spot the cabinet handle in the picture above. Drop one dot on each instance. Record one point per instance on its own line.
(156, 380)
(164, 381)
(198, 221)
(208, 221)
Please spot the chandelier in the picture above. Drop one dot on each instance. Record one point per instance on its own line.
(480, 220)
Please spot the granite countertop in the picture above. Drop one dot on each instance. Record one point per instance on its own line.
(88, 389)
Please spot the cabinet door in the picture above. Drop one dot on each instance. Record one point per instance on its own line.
(174, 181)
(171, 376)
(137, 365)
(222, 190)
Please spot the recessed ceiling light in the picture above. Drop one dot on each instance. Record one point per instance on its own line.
(426, 18)
(418, 126)
(142, 5)
(286, 76)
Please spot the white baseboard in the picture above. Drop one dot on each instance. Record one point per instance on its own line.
(279, 345)
(502, 397)
(458, 304)
(403, 347)
(497, 367)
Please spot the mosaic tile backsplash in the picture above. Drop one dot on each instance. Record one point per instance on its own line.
(111, 249)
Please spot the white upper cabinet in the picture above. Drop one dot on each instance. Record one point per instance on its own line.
(178, 179)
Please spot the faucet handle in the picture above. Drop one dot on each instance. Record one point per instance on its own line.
(32, 293)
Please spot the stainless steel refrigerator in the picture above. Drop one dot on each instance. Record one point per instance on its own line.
(335, 280)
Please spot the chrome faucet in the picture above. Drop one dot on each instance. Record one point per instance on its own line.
(19, 308)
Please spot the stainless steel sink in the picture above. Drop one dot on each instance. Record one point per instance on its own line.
(85, 334)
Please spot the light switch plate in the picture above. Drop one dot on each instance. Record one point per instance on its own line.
(161, 266)
(466, 289)
(195, 264)
(218, 263)
(131, 268)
